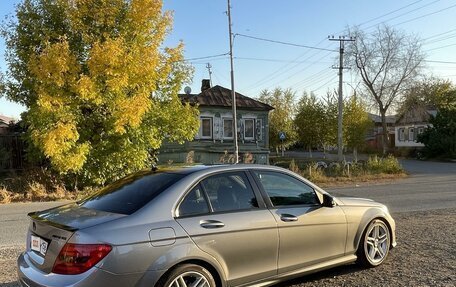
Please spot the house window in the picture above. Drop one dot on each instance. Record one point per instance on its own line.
(249, 129)
(420, 130)
(402, 134)
(227, 128)
(411, 135)
(206, 128)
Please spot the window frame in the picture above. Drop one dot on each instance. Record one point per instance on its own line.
(253, 131)
(262, 205)
(267, 199)
(420, 130)
(232, 128)
(211, 120)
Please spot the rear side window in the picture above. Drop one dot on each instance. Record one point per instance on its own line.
(194, 203)
(129, 194)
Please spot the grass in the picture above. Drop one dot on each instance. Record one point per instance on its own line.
(33, 185)
(375, 169)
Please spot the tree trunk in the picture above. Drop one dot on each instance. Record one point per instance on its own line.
(355, 154)
(385, 141)
(310, 151)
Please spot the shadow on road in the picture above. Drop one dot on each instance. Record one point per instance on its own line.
(9, 284)
(330, 273)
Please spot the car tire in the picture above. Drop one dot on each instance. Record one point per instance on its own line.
(188, 274)
(374, 244)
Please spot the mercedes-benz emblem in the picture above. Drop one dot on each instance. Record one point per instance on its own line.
(34, 226)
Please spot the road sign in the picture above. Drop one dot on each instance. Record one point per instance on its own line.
(282, 136)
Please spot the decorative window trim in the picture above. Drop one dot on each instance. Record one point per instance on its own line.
(259, 129)
(211, 119)
(223, 128)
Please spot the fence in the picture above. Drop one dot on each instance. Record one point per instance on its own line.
(11, 152)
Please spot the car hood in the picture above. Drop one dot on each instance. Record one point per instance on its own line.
(73, 217)
(353, 201)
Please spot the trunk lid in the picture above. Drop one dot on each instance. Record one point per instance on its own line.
(54, 227)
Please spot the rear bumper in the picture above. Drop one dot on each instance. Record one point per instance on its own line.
(30, 276)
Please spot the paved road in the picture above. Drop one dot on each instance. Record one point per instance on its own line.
(432, 185)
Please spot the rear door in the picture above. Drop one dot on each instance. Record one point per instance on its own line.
(309, 233)
(227, 218)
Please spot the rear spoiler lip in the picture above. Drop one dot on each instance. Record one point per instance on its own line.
(35, 216)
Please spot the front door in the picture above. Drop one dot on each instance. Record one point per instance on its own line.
(309, 233)
(224, 218)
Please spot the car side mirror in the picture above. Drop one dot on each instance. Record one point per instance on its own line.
(328, 201)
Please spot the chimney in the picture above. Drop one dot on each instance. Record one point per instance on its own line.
(205, 84)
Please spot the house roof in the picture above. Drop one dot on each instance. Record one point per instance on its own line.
(391, 119)
(4, 120)
(219, 96)
(417, 114)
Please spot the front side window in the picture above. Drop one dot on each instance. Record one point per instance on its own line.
(229, 191)
(249, 129)
(194, 203)
(285, 190)
(227, 128)
(206, 127)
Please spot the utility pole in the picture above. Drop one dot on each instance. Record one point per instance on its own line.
(233, 93)
(342, 40)
(209, 67)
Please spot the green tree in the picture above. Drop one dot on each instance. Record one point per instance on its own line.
(439, 138)
(100, 88)
(330, 119)
(281, 118)
(356, 123)
(310, 122)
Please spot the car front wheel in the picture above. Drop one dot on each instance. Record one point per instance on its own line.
(189, 275)
(375, 244)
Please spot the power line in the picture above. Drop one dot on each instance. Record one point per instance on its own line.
(302, 70)
(389, 13)
(425, 15)
(279, 72)
(284, 43)
(202, 58)
(441, 47)
(332, 79)
(275, 60)
(439, 62)
(403, 14)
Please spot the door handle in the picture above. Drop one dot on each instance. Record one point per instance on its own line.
(210, 224)
(288, 217)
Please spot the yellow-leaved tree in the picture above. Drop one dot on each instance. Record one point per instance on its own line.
(100, 88)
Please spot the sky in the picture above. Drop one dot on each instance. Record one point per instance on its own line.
(203, 27)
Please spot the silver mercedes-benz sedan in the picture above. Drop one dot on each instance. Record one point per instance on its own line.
(203, 226)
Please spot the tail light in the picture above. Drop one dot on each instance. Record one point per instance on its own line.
(78, 258)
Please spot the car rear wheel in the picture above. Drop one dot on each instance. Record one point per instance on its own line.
(188, 275)
(375, 244)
